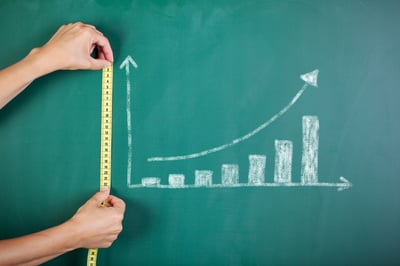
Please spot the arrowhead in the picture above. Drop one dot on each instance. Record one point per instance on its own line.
(311, 78)
(345, 185)
(128, 60)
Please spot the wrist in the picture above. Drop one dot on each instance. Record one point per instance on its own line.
(72, 235)
(40, 62)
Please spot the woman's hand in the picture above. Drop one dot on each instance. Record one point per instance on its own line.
(71, 48)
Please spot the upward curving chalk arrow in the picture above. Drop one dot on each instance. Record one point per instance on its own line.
(310, 79)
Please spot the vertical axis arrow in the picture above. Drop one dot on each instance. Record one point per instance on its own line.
(126, 65)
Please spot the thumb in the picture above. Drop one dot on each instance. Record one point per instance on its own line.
(98, 63)
(101, 196)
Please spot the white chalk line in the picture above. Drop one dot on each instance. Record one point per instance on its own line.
(340, 186)
(129, 125)
(125, 64)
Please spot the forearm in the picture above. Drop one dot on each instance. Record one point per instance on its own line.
(69, 48)
(92, 226)
(17, 77)
(39, 247)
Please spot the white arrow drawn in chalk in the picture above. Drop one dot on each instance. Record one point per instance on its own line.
(310, 79)
(126, 64)
(340, 186)
(343, 185)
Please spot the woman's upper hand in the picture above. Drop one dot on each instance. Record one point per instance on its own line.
(71, 48)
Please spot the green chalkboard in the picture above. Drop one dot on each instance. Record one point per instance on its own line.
(244, 133)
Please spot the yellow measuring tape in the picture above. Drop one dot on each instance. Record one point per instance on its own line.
(105, 141)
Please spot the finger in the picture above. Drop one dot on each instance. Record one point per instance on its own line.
(92, 48)
(99, 32)
(101, 196)
(89, 26)
(101, 55)
(117, 202)
(104, 47)
(98, 63)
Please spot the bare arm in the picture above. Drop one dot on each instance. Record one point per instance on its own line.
(69, 48)
(93, 226)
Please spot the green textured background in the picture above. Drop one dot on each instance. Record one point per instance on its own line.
(209, 72)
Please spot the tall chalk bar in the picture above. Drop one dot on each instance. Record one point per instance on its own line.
(229, 174)
(309, 160)
(256, 169)
(283, 161)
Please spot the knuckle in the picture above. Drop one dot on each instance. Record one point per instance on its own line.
(78, 23)
(107, 245)
(86, 31)
(120, 217)
(119, 229)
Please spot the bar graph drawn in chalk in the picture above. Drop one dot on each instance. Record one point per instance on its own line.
(283, 157)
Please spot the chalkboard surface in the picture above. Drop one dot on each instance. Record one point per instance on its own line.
(244, 133)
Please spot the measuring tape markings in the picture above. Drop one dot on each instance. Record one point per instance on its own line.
(105, 142)
(106, 128)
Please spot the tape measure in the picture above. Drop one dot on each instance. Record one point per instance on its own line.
(105, 141)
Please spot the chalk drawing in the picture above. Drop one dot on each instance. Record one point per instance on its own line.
(203, 178)
(309, 162)
(257, 162)
(283, 161)
(176, 180)
(125, 65)
(308, 78)
(150, 181)
(230, 174)
(311, 78)
(257, 169)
